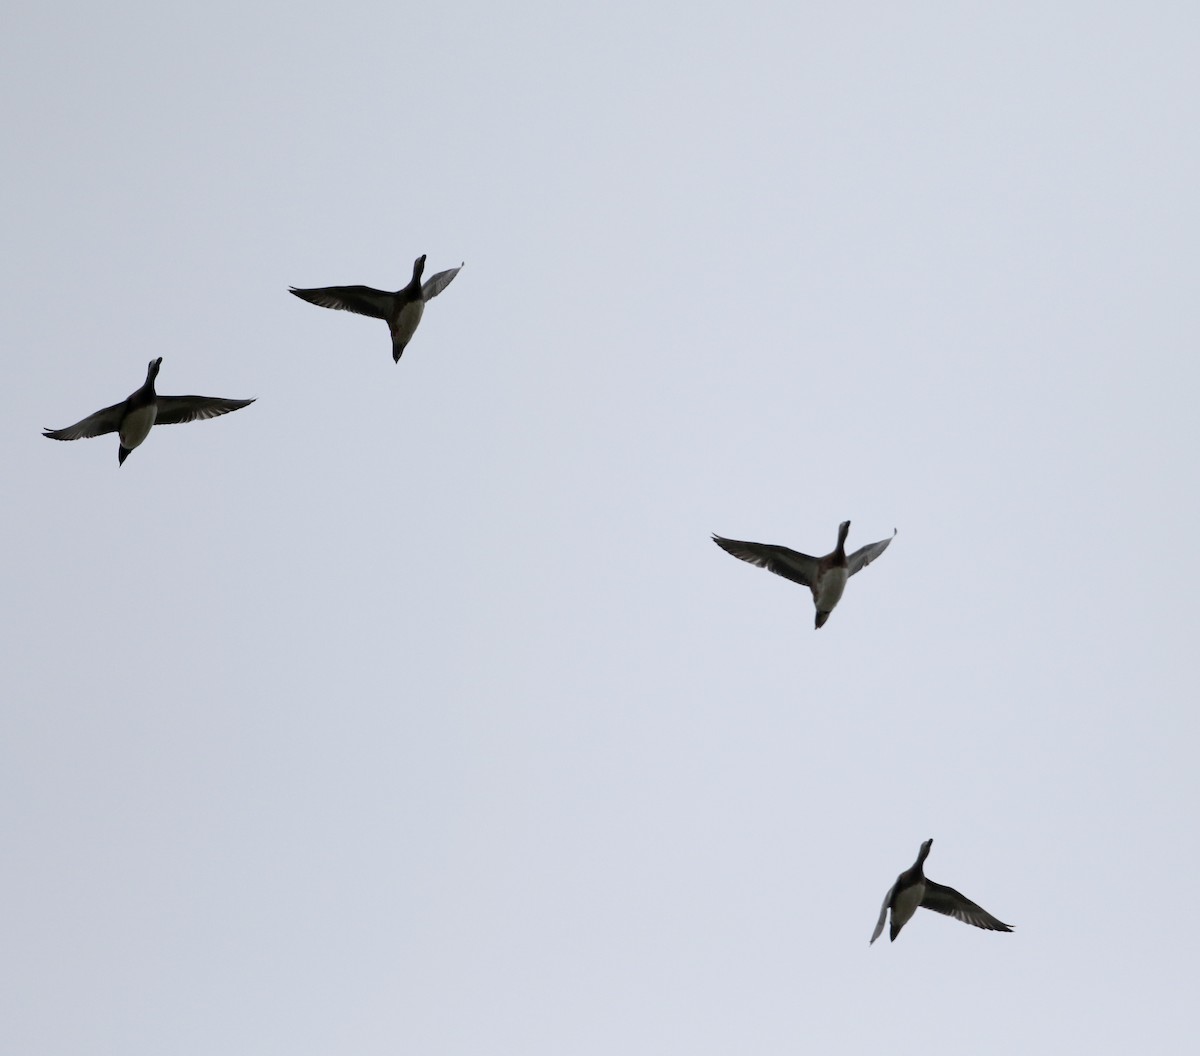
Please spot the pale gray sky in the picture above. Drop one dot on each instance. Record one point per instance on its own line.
(412, 710)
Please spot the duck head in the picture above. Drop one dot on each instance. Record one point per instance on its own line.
(843, 531)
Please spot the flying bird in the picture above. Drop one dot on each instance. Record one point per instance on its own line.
(402, 310)
(133, 419)
(824, 576)
(912, 889)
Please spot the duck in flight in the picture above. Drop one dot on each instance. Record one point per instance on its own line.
(913, 889)
(825, 576)
(402, 310)
(133, 419)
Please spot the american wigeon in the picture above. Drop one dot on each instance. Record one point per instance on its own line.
(402, 310)
(825, 576)
(913, 889)
(133, 418)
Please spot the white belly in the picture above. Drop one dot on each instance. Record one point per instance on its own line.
(905, 905)
(406, 321)
(137, 425)
(830, 589)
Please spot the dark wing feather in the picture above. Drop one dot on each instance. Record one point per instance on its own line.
(942, 899)
(436, 283)
(864, 556)
(105, 421)
(799, 568)
(378, 304)
(173, 410)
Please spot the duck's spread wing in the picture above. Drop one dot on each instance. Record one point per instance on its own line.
(887, 901)
(864, 556)
(361, 299)
(172, 410)
(105, 421)
(799, 568)
(942, 899)
(436, 283)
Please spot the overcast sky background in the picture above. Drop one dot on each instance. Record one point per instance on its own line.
(412, 709)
